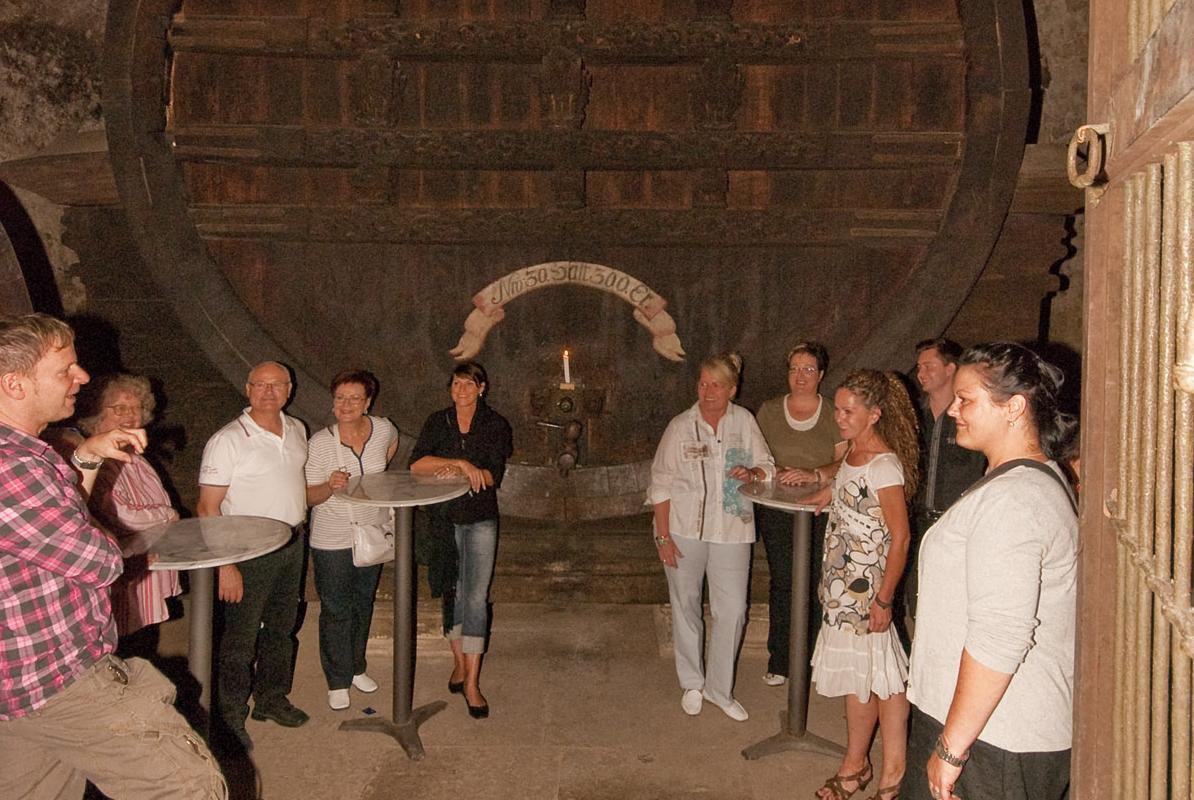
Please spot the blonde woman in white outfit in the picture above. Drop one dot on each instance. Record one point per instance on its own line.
(705, 529)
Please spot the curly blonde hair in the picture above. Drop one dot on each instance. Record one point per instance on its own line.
(897, 425)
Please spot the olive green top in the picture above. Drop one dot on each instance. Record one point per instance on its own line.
(798, 449)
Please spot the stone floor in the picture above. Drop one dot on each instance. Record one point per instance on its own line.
(584, 706)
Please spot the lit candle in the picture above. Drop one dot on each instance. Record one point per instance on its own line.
(567, 368)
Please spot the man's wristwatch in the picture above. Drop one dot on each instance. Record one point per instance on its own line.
(942, 752)
(81, 464)
(660, 541)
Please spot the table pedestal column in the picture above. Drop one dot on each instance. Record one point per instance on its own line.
(199, 653)
(404, 726)
(793, 733)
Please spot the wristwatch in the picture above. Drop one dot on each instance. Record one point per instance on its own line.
(942, 752)
(660, 541)
(81, 464)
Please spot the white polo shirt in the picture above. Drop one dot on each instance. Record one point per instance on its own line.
(263, 472)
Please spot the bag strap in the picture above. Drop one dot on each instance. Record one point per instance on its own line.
(335, 429)
(1007, 466)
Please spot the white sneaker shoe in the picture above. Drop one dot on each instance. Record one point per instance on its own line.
(338, 699)
(691, 702)
(364, 683)
(773, 679)
(733, 709)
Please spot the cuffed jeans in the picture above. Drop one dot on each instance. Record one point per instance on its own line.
(260, 629)
(346, 594)
(116, 726)
(476, 551)
(728, 568)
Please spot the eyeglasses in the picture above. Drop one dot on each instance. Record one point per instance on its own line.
(803, 370)
(121, 409)
(348, 398)
(277, 386)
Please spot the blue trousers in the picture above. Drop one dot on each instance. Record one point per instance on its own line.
(346, 594)
(476, 552)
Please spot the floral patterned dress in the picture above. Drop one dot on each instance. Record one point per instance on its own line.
(848, 659)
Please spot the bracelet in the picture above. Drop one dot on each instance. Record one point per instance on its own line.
(817, 474)
(881, 604)
(941, 750)
(81, 464)
(660, 541)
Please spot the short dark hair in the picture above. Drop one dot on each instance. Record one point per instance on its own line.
(362, 376)
(949, 350)
(471, 370)
(812, 348)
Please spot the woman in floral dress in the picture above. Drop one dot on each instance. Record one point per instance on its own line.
(858, 654)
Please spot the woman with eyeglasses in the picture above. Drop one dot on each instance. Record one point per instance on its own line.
(358, 444)
(127, 498)
(806, 444)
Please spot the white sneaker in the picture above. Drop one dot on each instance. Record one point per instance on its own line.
(733, 709)
(364, 683)
(338, 699)
(773, 679)
(691, 702)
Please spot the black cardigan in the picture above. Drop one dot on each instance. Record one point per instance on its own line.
(487, 445)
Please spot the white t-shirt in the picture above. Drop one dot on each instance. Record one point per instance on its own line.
(998, 577)
(330, 519)
(263, 472)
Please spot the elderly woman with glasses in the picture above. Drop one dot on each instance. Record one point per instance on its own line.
(806, 444)
(127, 498)
(358, 444)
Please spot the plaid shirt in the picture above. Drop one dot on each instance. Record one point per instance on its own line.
(55, 568)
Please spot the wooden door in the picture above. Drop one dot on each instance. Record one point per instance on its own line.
(1136, 625)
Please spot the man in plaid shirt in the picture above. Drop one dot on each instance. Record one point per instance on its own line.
(71, 711)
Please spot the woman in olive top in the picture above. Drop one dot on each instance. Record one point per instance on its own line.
(806, 444)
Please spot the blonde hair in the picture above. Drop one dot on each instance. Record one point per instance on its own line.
(25, 339)
(897, 425)
(726, 367)
(136, 385)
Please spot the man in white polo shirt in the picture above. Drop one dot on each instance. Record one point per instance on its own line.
(254, 466)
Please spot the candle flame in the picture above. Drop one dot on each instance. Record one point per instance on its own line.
(565, 354)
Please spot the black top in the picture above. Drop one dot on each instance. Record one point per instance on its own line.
(487, 445)
(947, 469)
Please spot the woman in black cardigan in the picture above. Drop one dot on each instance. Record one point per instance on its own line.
(472, 440)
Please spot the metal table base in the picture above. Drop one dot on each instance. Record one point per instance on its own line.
(404, 727)
(793, 731)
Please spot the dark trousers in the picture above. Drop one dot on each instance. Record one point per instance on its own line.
(346, 596)
(256, 650)
(991, 773)
(775, 528)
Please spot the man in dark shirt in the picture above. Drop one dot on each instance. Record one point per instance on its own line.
(946, 468)
(70, 710)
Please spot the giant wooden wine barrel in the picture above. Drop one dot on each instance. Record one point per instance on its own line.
(396, 184)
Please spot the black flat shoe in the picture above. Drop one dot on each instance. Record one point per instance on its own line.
(477, 712)
(456, 687)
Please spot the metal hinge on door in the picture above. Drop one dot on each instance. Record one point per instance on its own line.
(1098, 146)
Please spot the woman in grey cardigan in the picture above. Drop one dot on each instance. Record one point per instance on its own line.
(992, 670)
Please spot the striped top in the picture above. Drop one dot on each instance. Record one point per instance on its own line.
(325, 454)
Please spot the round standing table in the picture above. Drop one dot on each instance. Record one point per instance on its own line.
(400, 491)
(200, 544)
(793, 732)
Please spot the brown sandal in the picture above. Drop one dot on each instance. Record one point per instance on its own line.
(838, 792)
(887, 792)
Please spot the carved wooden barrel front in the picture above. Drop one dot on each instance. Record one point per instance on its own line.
(392, 184)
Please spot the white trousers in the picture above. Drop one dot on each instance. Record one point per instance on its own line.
(727, 567)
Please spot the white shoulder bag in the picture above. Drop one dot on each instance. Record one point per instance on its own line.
(372, 543)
